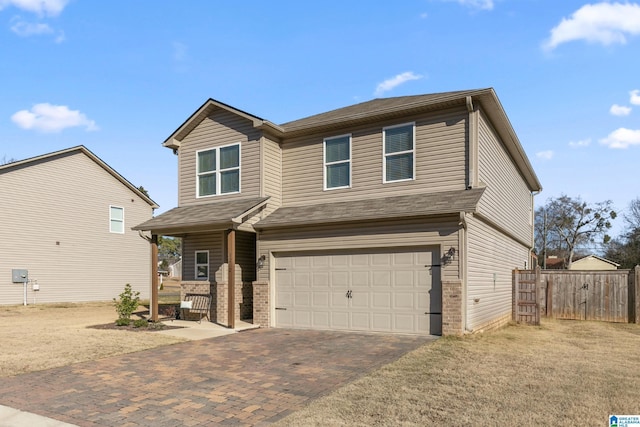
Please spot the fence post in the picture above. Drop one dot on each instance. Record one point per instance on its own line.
(514, 293)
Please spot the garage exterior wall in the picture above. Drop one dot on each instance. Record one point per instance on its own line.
(443, 233)
(56, 225)
(491, 258)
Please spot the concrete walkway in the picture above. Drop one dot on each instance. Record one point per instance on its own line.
(250, 378)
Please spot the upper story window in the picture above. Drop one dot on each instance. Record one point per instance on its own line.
(399, 152)
(337, 162)
(116, 219)
(202, 265)
(218, 171)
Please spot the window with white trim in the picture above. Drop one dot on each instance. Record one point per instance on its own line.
(116, 219)
(399, 152)
(218, 171)
(202, 265)
(337, 162)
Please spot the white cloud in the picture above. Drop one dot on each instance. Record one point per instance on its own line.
(393, 82)
(581, 143)
(604, 23)
(634, 97)
(52, 118)
(619, 110)
(545, 155)
(26, 29)
(476, 4)
(622, 138)
(40, 7)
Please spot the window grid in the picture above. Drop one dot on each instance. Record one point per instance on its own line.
(218, 171)
(202, 265)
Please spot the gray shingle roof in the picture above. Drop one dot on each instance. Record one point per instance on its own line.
(375, 107)
(381, 208)
(213, 214)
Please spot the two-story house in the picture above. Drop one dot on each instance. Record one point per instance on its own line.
(66, 225)
(403, 214)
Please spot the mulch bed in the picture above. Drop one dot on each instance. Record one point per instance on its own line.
(152, 327)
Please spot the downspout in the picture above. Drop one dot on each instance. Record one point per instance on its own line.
(463, 266)
(533, 228)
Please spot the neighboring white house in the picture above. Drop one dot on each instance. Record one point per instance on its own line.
(593, 262)
(66, 220)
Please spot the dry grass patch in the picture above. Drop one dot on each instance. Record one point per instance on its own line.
(44, 336)
(561, 373)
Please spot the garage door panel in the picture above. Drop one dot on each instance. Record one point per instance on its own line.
(302, 299)
(339, 319)
(321, 319)
(381, 300)
(361, 321)
(381, 278)
(360, 279)
(404, 323)
(378, 290)
(403, 301)
(405, 279)
(339, 279)
(382, 322)
(321, 299)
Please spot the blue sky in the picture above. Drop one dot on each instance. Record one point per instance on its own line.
(119, 77)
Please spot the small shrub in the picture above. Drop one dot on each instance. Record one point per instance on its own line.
(123, 321)
(140, 323)
(128, 303)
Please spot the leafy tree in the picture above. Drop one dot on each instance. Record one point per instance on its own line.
(564, 224)
(143, 191)
(625, 250)
(169, 248)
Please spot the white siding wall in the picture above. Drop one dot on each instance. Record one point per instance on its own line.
(56, 224)
(507, 199)
(220, 128)
(440, 161)
(491, 257)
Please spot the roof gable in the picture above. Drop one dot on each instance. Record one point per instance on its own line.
(83, 150)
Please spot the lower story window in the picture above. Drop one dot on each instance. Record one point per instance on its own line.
(202, 265)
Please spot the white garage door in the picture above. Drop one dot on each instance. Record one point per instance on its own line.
(386, 291)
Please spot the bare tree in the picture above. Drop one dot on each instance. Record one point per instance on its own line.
(570, 223)
(5, 161)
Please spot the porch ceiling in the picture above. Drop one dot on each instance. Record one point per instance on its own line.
(215, 215)
(415, 205)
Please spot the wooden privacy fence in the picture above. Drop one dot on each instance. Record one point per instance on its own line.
(606, 295)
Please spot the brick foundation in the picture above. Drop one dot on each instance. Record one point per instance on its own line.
(220, 302)
(452, 319)
(261, 303)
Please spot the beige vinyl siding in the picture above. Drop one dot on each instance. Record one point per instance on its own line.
(214, 243)
(272, 171)
(56, 224)
(507, 199)
(440, 161)
(390, 234)
(220, 128)
(245, 257)
(490, 253)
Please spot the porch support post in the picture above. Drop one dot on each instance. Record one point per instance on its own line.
(153, 304)
(231, 288)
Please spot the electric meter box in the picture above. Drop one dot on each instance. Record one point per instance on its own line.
(19, 275)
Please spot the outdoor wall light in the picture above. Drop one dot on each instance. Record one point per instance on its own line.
(261, 261)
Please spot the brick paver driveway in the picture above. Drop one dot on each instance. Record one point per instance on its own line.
(249, 378)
